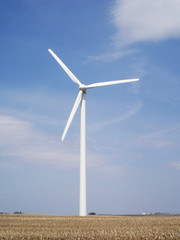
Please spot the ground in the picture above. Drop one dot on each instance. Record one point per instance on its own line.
(45, 227)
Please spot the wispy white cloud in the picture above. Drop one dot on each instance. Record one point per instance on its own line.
(134, 109)
(33, 104)
(176, 165)
(21, 141)
(111, 55)
(113, 170)
(140, 21)
(159, 139)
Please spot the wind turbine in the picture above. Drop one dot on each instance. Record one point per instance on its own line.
(81, 98)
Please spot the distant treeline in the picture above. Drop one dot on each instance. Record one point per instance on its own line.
(16, 212)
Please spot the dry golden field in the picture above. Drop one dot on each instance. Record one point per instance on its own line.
(36, 227)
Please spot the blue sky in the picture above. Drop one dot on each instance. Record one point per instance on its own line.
(133, 129)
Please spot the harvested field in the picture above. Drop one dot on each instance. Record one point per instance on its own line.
(45, 227)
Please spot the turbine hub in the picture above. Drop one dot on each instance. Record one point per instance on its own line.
(82, 87)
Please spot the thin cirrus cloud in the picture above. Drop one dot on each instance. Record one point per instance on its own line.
(137, 106)
(175, 165)
(141, 21)
(163, 138)
(21, 142)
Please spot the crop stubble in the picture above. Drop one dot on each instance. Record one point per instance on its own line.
(45, 227)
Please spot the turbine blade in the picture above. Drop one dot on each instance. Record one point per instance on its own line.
(69, 73)
(74, 109)
(102, 84)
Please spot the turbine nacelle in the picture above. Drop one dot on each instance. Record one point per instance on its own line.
(82, 87)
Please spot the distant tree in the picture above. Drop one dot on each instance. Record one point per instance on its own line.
(92, 213)
(18, 212)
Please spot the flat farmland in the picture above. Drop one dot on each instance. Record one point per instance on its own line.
(46, 227)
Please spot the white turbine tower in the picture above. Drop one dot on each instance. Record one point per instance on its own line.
(81, 98)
